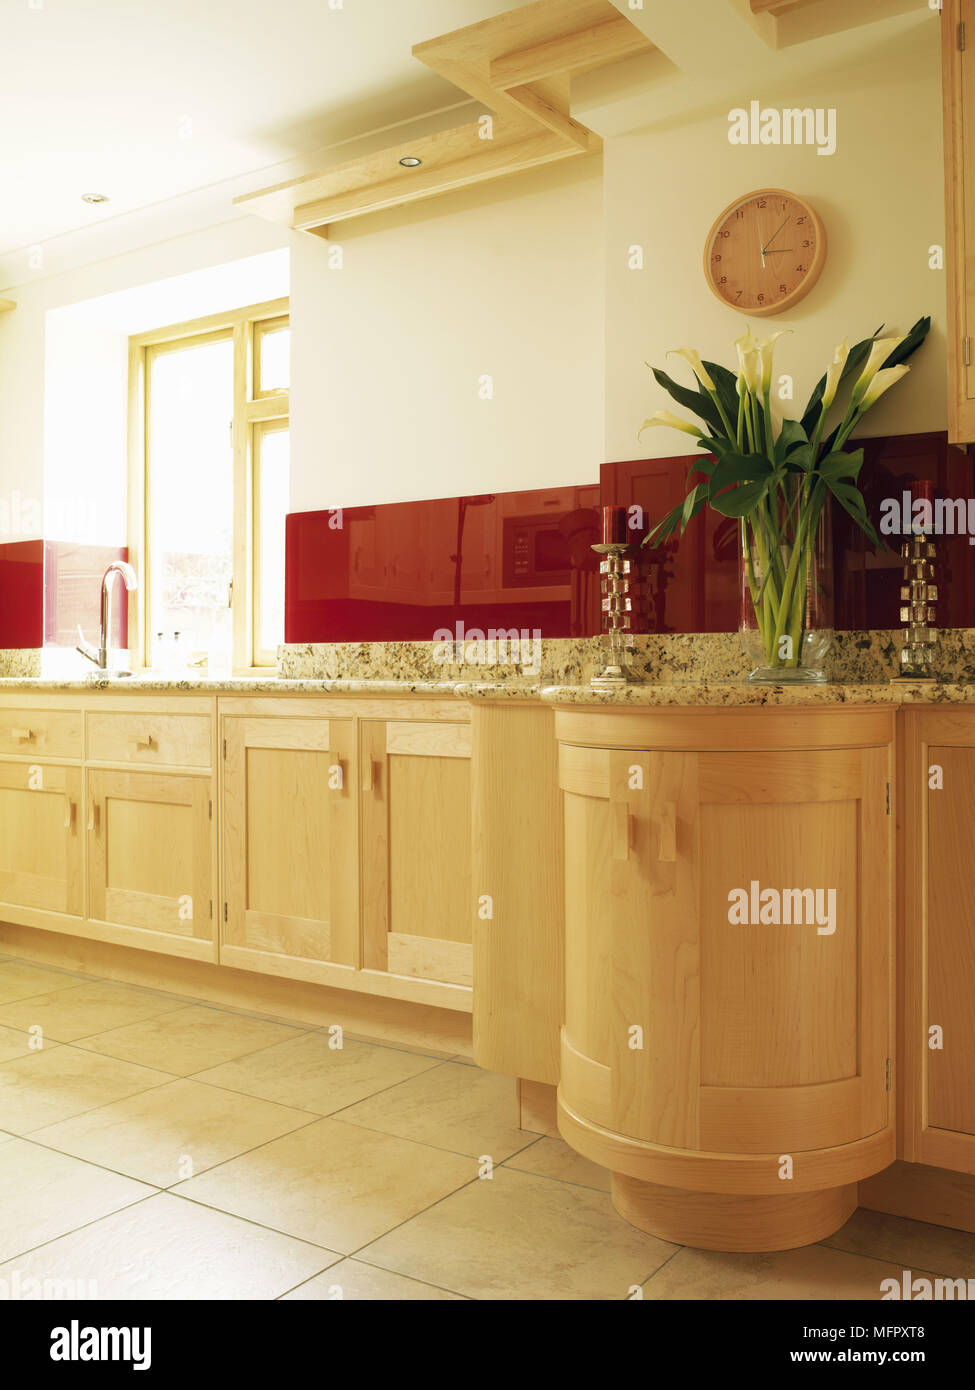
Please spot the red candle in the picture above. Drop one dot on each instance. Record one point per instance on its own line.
(614, 526)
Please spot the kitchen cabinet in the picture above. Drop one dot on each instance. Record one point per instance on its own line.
(151, 859)
(417, 905)
(289, 843)
(728, 965)
(40, 841)
(958, 83)
(938, 839)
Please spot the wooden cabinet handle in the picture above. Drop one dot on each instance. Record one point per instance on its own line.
(69, 814)
(23, 735)
(148, 743)
(368, 774)
(668, 833)
(621, 830)
(93, 817)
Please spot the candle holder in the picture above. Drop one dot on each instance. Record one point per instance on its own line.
(919, 594)
(620, 584)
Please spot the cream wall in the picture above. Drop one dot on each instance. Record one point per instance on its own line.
(881, 198)
(388, 352)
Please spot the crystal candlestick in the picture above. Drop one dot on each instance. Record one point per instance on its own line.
(620, 585)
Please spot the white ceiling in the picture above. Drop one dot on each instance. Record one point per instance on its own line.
(145, 100)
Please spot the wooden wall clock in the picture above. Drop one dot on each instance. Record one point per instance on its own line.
(765, 252)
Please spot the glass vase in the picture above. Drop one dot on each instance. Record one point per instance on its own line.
(786, 621)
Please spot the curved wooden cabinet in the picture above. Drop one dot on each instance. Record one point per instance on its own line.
(728, 1011)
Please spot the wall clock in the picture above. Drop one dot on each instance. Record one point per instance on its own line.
(765, 252)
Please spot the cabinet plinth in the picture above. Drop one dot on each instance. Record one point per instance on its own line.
(728, 963)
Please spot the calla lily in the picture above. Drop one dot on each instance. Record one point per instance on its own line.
(834, 372)
(879, 353)
(749, 360)
(766, 350)
(694, 358)
(671, 421)
(882, 382)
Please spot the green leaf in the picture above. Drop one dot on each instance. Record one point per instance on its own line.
(841, 465)
(791, 436)
(802, 458)
(663, 528)
(726, 385)
(851, 500)
(740, 500)
(699, 402)
(738, 468)
(695, 500)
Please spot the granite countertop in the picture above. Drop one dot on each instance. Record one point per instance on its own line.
(228, 685)
(740, 694)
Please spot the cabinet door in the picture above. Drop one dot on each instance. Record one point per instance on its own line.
(760, 1036)
(40, 843)
(150, 858)
(939, 946)
(416, 849)
(958, 79)
(289, 842)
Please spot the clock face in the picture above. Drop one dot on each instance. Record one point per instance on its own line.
(765, 252)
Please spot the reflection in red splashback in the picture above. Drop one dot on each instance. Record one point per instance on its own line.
(22, 594)
(73, 585)
(403, 570)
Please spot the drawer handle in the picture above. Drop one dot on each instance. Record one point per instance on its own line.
(69, 814)
(667, 853)
(368, 775)
(621, 830)
(23, 735)
(94, 817)
(147, 744)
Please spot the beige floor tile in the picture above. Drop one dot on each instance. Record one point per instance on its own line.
(813, 1272)
(18, 980)
(52, 1085)
(453, 1107)
(305, 1072)
(44, 1194)
(79, 1011)
(14, 1043)
(336, 1184)
(188, 1039)
(912, 1244)
(552, 1158)
(517, 1236)
(352, 1280)
(165, 1248)
(172, 1132)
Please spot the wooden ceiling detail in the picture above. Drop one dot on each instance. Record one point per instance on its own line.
(520, 66)
(779, 7)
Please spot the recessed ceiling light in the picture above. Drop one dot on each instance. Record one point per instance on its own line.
(410, 161)
(94, 197)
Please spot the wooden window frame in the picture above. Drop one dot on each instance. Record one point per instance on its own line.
(245, 327)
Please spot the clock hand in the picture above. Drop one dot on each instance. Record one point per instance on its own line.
(772, 237)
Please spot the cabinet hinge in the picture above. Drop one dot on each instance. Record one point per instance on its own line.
(211, 907)
(225, 912)
(890, 1073)
(210, 810)
(961, 36)
(888, 798)
(967, 349)
(225, 748)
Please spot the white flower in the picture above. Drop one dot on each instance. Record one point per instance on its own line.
(766, 350)
(834, 372)
(881, 382)
(694, 358)
(671, 421)
(879, 353)
(749, 360)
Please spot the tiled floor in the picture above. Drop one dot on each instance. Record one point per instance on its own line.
(157, 1148)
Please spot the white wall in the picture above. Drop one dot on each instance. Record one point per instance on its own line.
(881, 196)
(388, 352)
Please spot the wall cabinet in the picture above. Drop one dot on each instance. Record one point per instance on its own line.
(958, 81)
(728, 961)
(40, 838)
(289, 842)
(150, 857)
(417, 904)
(938, 941)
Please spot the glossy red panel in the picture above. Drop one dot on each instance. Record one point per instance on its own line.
(72, 584)
(22, 594)
(402, 571)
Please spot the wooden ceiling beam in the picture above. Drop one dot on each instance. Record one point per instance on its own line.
(575, 52)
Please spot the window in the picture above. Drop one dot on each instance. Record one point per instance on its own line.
(209, 487)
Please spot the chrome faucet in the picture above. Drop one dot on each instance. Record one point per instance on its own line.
(100, 655)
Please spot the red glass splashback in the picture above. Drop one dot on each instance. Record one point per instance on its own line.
(22, 594)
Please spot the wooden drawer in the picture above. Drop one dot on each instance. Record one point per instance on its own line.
(41, 733)
(154, 740)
